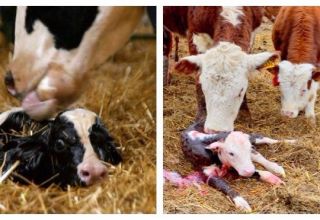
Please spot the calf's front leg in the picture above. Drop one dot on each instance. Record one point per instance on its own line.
(267, 177)
(271, 166)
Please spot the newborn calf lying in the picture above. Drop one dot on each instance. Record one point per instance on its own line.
(215, 154)
(71, 149)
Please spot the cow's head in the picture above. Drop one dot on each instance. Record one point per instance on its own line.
(224, 71)
(235, 151)
(298, 86)
(82, 145)
(42, 70)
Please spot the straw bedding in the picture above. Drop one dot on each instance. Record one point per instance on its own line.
(301, 161)
(123, 93)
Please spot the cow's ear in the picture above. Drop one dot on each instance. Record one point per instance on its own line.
(316, 74)
(263, 60)
(215, 146)
(189, 64)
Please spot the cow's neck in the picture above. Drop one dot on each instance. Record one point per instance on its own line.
(239, 35)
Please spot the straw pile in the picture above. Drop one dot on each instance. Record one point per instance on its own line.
(123, 92)
(301, 161)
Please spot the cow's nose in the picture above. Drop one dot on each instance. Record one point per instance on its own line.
(289, 114)
(92, 173)
(248, 172)
(9, 81)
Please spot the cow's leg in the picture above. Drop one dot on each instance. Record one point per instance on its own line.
(267, 177)
(271, 166)
(224, 187)
(309, 111)
(167, 44)
(244, 108)
(201, 102)
(176, 54)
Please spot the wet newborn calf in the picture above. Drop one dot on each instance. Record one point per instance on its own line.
(215, 154)
(71, 149)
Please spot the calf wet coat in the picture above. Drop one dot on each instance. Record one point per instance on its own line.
(72, 149)
(216, 155)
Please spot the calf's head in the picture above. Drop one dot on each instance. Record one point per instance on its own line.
(224, 71)
(235, 151)
(82, 145)
(298, 86)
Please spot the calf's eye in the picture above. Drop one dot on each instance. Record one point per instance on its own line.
(231, 154)
(60, 146)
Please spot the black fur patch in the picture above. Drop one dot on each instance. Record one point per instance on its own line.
(67, 24)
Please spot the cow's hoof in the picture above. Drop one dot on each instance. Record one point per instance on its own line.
(242, 204)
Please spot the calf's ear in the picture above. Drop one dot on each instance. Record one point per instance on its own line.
(263, 60)
(215, 146)
(316, 74)
(189, 65)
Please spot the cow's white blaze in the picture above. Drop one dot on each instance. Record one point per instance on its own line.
(295, 95)
(235, 152)
(224, 71)
(232, 14)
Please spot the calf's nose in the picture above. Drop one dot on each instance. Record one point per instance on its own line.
(247, 172)
(91, 173)
(9, 82)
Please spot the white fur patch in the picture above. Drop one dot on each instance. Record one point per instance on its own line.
(232, 14)
(202, 41)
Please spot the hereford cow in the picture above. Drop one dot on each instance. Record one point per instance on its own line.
(56, 49)
(296, 33)
(224, 68)
(71, 149)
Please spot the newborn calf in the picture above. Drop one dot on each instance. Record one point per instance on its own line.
(71, 149)
(215, 154)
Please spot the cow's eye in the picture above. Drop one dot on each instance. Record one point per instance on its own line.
(60, 146)
(231, 154)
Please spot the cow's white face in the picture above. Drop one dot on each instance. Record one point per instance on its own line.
(297, 87)
(224, 73)
(49, 77)
(235, 152)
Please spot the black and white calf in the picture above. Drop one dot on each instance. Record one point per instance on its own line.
(214, 155)
(71, 149)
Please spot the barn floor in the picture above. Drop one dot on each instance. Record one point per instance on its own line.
(301, 161)
(124, 92)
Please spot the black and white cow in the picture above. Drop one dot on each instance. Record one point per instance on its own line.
(56, 48)
(73, 148)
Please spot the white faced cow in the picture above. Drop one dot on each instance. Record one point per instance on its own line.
(296, 35)
(224, 71)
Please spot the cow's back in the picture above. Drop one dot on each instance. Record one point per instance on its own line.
(296, 34)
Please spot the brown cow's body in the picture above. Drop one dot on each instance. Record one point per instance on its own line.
(271, 12)
(189, 20)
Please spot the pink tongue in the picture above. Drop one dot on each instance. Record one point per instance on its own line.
(31, 99)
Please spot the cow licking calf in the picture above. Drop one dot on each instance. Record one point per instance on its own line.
(224, 70)
(71, 149)
(57, 48)
(296, 35)
(215, 155)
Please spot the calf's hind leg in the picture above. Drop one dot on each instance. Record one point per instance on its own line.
(224, 187)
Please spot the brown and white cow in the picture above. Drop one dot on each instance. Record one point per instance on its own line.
(296, 33)
(223, 36)
(56, 49)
